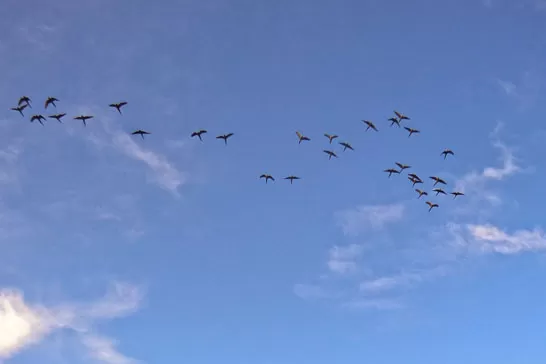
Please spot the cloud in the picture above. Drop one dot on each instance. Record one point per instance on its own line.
(372, 303)
(405, 279)
(104, 350)
(342, 259)
(491, 239)
(23, 324)
(508, 87)
(357, 220)
(309, 291)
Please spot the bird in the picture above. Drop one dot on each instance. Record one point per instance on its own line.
(414, 181)
(198, 134)
(394, 121)
(346, 146)
(267, 176)
(40, 118)
(414, 176)
(20, 108)
(330, 154)
(402, 166)
(84, 118)
(118, 105)
(432, 205)
(411, 131)
(455, 194)
(26, 100)
(421, 193)
(330, 137)
(141, 132)
(438, 191)
(391, 171)
(225, 137)
(437, 180)
(370, 125)
(446, 152)
(291, 178)
(301, 137)
(50, 101)
(401, 116)
(58, 117)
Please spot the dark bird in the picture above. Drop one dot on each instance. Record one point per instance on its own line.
(40, 118)
(267, 176)
(438, 191)
(330, 154)
(401, 116)
(301, 137)
(83, 118)
(291, 178)
(330, 137)
(20, 108)
(411, 131)
(455, 194)
(26, 100)
(58, 117)
(225, 137)
(50, 101)
(346, 146)
(141, 132)
(437, 180)
(391, 171)
(198, 134)
(394, 121)
(421, 193)
(370, 125)
(446, 152)
(414, 176)
(402, 166)
(432, 205)
(118, 105)
(414, 181)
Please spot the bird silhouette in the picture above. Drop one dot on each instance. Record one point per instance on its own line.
(291, 178)
(84, 118)
(301, 137)
(437, 180)
(414, 181)
(20, 109)
(421, 193)
(401, 116)
(455, 194)
(118, 105)
(225, 137)
(394, 121)
(391, 171)
(141, 132)
(40, 119)
(50, 101)
(58, 117)
(370, 125)
(330, 154)
(402, 166)
(267, 176)
(329, 136)
(346, 146)
(26, 100)
(446, 152)
(198, 134)
(414, 176)
(431, 205)
(438, 191)
(411, 131)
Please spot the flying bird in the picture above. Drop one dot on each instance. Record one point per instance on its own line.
(414, 181)
(58, 117)
(391, 171)
(411, 131)
(431, 205)
(394, 121)
(330, 154)
(291, 178)
(24, 99)
(370, 125)
(225, 137)
(414, 176)
(437, 180)
(118, 105)
(83, 118)
(20, 108)
(330, 137)
(50, 101)
(402, 166)
(301, 137)
(401, 116)
(438, 191)
(346, 146)
(455, 194)
(446, 152)
(198, 134)
(40, 118)
(421, 193)
(141, 132)
(267, 176)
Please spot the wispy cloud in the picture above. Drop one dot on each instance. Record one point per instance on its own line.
(373, 303)
(104, 350)
(491, 239)
(342, 258)
(508, 87)
(358, 220)
(310, 291)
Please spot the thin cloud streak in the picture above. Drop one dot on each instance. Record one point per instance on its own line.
(358, 220)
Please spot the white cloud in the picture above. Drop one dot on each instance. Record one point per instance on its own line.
(342, 259)
(104, 350)
(491, 239)
(357, 220)
(508, 87)
(377, 304)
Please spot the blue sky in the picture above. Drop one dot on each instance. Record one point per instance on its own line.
(120, 250)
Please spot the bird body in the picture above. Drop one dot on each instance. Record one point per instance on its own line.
(402, 166)
(58, 117)
(330, 153)
(301, 137)
(411, 131)
(291, 178)
(391, 171)
(20, 109)
(225, 137)
(50, 101)
(330, 137)
(198, 134)
(40, 119)
(118, 105)
(421, 193)
(401, 116)
(84, 118)
(267, 177)
(346, 146)
(141, 132)
(414, 176)
(438, 191)
(394, 121)
(455, 194)
(414, 181)
(437, 180)
(370, 125)
(25, 100)
(446, 152)
(431, 205)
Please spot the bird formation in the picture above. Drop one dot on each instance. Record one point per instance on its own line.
(25, 102)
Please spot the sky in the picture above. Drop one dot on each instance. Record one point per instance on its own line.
(117, 249)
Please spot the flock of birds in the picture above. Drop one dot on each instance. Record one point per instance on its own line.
(397, 119)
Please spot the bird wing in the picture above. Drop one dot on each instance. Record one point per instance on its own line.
(194, 134)
(398, 114)
(408, 129)
(228, 135)
(299, 134)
